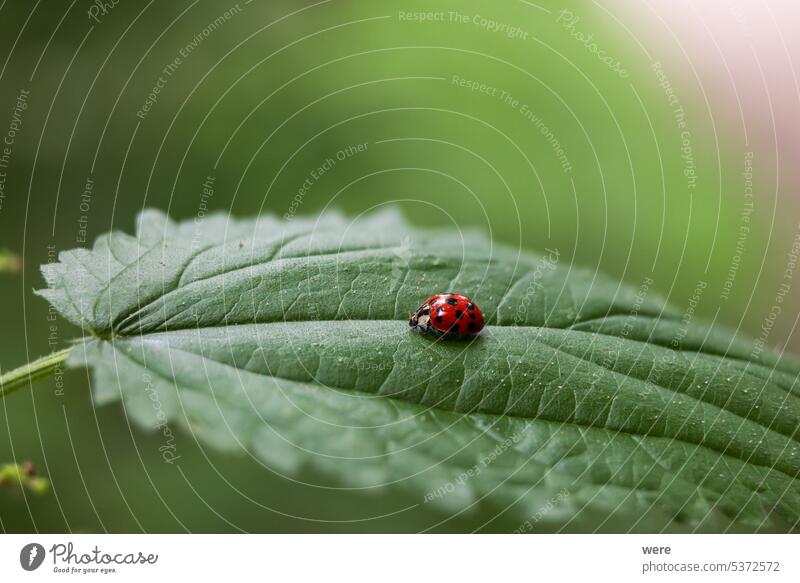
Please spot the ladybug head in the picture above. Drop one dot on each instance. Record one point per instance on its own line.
(421, 318)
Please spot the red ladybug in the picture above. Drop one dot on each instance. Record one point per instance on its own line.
(448, 315)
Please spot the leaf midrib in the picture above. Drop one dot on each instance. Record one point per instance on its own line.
(489, 327)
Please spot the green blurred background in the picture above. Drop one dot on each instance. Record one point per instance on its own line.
(502, 116)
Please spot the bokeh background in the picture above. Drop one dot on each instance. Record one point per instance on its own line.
(643, 140)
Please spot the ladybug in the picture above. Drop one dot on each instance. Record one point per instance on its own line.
(448, 315)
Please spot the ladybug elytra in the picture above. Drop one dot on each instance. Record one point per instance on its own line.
(448, 315)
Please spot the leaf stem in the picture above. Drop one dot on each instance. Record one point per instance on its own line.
(33, 371)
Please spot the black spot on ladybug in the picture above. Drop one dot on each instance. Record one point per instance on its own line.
(472, 315)
(459, 313)
(471, 307)
(472, 326)
(452, 301)
(440, 318)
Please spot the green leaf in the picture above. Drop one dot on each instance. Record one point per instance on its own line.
(585, 405)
